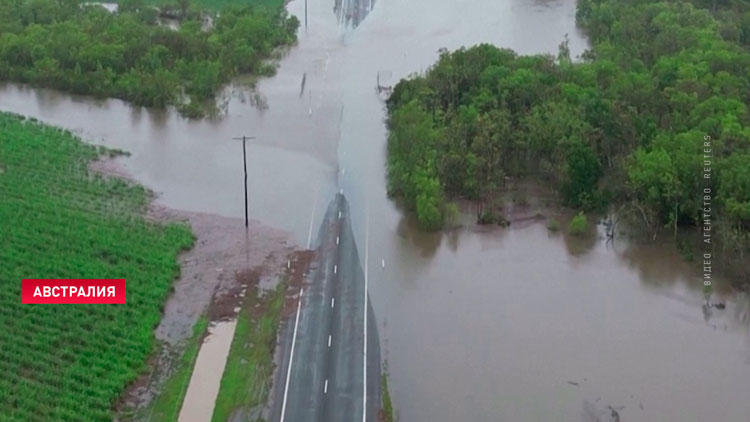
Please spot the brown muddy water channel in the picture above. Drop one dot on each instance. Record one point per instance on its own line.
(500, 325)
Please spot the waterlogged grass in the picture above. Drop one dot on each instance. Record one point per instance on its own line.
(58, 220)
(247, 375)
(167, 404)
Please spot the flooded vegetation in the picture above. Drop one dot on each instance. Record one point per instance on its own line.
(126, 52)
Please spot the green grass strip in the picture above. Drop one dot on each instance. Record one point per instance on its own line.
(246, 380)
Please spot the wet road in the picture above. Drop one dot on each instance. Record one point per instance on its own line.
(475, 325)
(328, 372)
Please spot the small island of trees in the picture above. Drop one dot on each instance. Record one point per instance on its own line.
(83, 48)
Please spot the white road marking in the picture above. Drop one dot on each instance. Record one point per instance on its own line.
(364, 358)
(312, 217)
(335, 268)
(339, 214)
(291, 355)
(329, 340)
(325, 388)
(341, 191)
(333, 300)
(337, 240)
(288, 263)
(384, 264)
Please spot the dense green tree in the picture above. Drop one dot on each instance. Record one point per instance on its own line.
(734, 188)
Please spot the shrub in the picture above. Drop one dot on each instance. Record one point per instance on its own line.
(578, 225)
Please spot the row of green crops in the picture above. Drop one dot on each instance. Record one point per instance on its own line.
(59, 220)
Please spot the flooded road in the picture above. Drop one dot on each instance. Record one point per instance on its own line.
(511, 324)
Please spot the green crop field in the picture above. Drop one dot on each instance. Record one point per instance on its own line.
(58, 220)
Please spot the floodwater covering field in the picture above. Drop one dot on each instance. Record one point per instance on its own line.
(508, 324)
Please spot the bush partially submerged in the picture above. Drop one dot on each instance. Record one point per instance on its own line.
(578, 225)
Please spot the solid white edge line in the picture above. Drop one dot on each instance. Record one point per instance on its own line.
(364, 359)
(291, 355)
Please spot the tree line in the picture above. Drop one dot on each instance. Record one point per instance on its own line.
(84, 49)
(625, 128)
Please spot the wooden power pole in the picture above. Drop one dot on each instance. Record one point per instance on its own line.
(244, 140)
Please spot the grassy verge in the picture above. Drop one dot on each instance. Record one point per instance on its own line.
(59, 220)
(387, 405)
(167, 404)
(246, 379)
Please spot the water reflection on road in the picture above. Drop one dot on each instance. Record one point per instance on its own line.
(515, 325)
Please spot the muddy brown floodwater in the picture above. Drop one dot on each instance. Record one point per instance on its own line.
(476, 325)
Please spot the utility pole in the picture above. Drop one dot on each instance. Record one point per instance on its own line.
(244, 140)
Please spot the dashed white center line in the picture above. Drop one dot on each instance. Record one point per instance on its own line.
(333, 300)
(337, 240)
(325, 388)
(329, 340)
(335, 268)
(339, 214)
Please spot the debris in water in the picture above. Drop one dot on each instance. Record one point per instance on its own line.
(574, 383)
(615, 415)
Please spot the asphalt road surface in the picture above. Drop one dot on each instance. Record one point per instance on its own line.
(329, 368)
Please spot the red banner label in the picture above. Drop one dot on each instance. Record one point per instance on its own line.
(73, 291)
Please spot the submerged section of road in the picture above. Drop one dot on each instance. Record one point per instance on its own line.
(329, 368)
